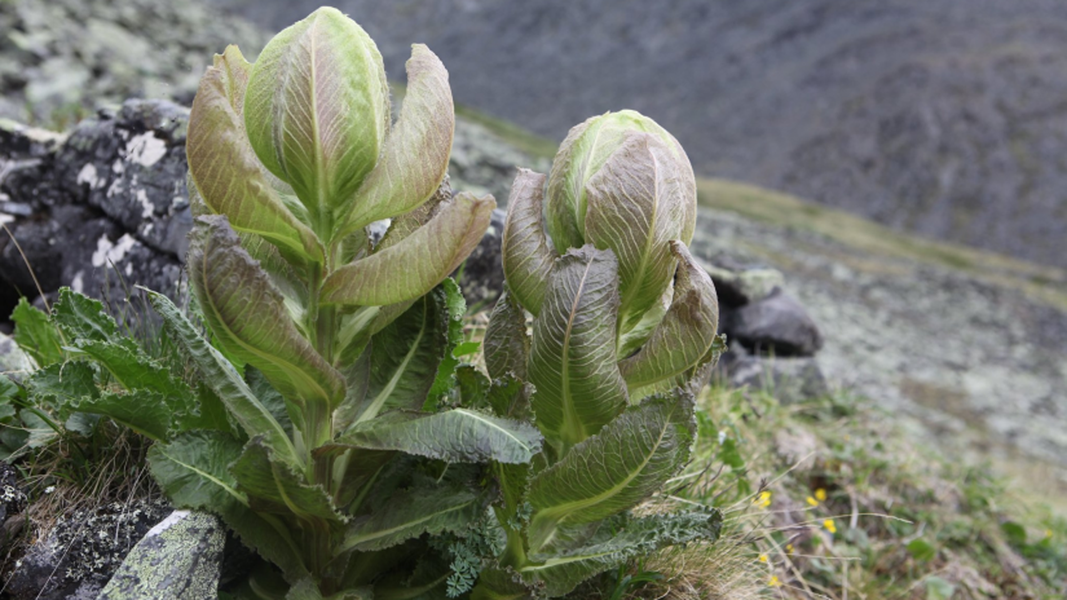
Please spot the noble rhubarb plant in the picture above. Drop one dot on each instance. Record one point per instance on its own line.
(624, 334)
(330, 348)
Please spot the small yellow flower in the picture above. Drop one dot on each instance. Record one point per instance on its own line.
(763, 558)
(1048, 533)
(820, 495)
(764, 499)
(830, 525)
(789, 548)
(774, 582)
(812, 501)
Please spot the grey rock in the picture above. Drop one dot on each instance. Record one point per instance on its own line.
(178, 559)
(77, 558)
(789, 380)
(737, 287)
(13, 361)
(482, 280)
(778, 324)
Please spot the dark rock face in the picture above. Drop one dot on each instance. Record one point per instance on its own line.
(942, 117)
(777, 324)
(102, 211)
(482, 280)
(78, 557)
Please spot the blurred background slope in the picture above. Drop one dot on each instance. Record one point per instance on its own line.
(943, 117)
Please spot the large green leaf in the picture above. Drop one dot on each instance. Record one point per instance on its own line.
(411, 513)
(145, 411)
(414, 265)
(572, 358)
(626, 462)
(458, 435)
(133, 369)
(247, 315)
(36, 334)
(636, 206)
(273, 486)
(623, 541)
(61, 384)
(317, 110)
(507, 345)
(225, 173)
(82, 317)
(525, 252)
(193, 471)
(687, 331)
(415, 157)
(223, 379)
(405, 358)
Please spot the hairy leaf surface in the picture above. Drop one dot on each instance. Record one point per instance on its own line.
(414, 159)
(686, 332)
(248, 317)
(458, 435)
(317, 110)
(226, 175)
(223, 379)
(411, 513)
(614, 470)
(572, 359)
(636, 206)
(525, 251)
(417, 263)
(507, 345)
(273, 486)
(145, 411)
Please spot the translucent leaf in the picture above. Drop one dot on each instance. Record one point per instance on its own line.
(417, 263)
(219, 375)
(317, 110)
(525, 251)
(412, 513)
(248, 317)
(623, 541)
(507, 345)
(458, 435)
(686, 332)
(227, 177)
(632, 457)
(636, 206)
(415, 157)
(572, 359)
(36, 335)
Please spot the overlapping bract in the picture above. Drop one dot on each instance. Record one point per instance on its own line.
(624, 333)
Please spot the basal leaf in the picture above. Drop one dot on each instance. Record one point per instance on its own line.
(145, 411)
(411, 513)
(414, 265)
(455, 307)
(247, 315)
(525, 252)
(193, 471)
(36, 334)
(507, 345)
(636, 206)
(134, 370)
(317, 110)
(687, 331)
(458, 435)
(632, 457)
(223, 168)
(223, 379)
(615, 545)
(61, 384)
(273, 486)
(509, 397)
(80, 316)
(405, 358)
(572, 359)
(415, 157)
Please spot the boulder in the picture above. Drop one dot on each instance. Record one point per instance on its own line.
(178, 559)
(778, 324)
(77, 557)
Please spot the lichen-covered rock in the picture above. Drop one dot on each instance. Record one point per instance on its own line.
(178, 559)
(77, 558)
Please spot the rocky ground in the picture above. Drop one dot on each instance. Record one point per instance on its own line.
(941, 117)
